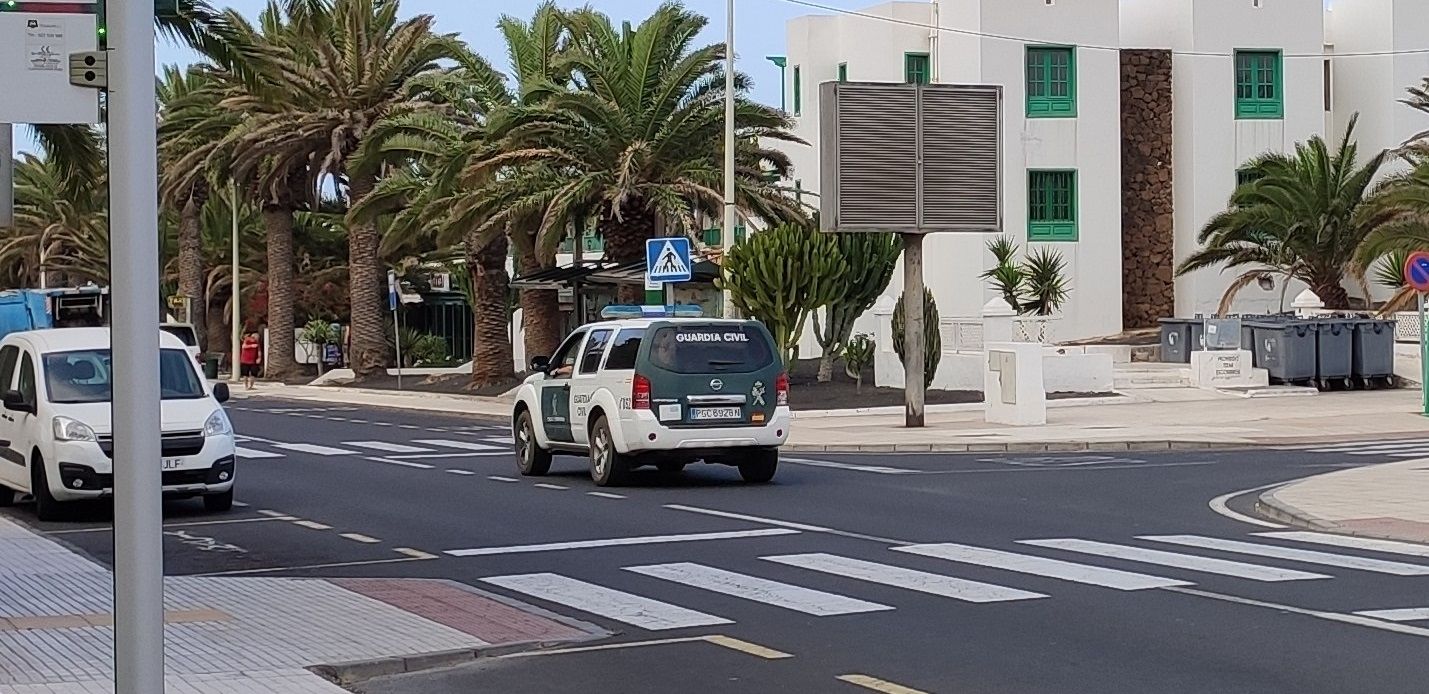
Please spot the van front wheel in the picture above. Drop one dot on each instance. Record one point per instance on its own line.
(218, 503)
(47, 507)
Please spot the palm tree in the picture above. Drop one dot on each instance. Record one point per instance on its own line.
(1301, 216)
(637, 145)
(1405, 201)
(58, 237)
(187, 100)
(347, 64)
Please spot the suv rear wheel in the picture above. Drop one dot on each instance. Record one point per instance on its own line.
(531, 459)
(607, 466)
(760, 467)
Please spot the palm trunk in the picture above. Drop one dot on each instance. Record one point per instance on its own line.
(491, 346)
(365, 288)
(1332, 293)
(192, 274)
(625, 243)
(278, 224)
(540, 311)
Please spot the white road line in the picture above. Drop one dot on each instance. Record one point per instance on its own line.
(252, 454)
(910, 579)
(455, 471)
(1254, 572)
(313, 525)
(784, 524)
(1358, 620)
(1292, 554)
(388, 447)
(240, 504)
(415, 553)
(1041, 566)
(618, 542)
(789, 597)
(545, 485)
(315, 449)
(878, 685)
(499, 478)
(606, 495)
(460, 445)
(403, 463)
(876, 469)
(612, 604)
(273, 514)
(359, 537)
(1368, 543)
(1219, 505)
(1408, 614)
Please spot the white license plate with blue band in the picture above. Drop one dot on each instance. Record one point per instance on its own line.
(716, 413)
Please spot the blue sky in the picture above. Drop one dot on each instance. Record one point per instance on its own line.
(759, 26)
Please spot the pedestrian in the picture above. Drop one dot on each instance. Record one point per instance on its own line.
(250, 359)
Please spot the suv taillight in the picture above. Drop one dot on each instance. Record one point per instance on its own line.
(781, 390)
(640, 392)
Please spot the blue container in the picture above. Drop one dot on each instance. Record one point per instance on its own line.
(22, 309)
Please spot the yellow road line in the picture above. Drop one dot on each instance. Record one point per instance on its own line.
(358, 537)
(753, 649)
(878, 685)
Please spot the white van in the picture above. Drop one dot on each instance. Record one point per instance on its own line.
(56, 436)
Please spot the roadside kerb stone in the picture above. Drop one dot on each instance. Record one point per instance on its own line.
(1274, 509)
(348, 674)
(1031, 447)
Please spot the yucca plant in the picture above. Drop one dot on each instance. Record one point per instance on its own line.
(1035, 286)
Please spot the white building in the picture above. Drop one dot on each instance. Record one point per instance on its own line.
(1144, 109)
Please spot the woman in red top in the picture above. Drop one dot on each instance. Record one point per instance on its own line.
(250, 359)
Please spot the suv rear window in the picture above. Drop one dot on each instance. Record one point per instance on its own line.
(703, 349)
(183, 332)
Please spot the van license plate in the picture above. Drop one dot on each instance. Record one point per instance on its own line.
(714, 413)
(173, 463)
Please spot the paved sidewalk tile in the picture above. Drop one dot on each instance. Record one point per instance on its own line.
(1389, 501)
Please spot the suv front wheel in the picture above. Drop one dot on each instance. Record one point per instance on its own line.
(607, 465)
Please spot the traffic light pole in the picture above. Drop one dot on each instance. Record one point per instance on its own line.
(7, 174)
(134, 292)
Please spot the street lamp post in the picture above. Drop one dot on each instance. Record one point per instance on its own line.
(236, 330)
(134, 292)
(729, 143)
(7, 174)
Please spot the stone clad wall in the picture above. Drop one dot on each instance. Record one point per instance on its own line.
(1147, 232)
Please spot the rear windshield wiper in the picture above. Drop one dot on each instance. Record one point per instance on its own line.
(724, 362)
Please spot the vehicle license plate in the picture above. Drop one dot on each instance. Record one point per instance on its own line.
(173, 463)
(708, 413)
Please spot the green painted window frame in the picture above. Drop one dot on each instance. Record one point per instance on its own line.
(1052, 205)
(1259, 84)
(917, 68)
(1244, 176)
(1051, 81)
(843, 72)
(711, 236)
(798, 91)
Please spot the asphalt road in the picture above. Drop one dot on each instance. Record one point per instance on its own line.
(913, 571)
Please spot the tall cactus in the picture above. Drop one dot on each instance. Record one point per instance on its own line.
(871, 258)
(932, 336)
(781, 276)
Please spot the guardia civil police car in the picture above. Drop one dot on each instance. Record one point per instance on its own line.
(651, 386)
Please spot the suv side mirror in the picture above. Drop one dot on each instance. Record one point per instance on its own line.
(540, 364)
(15, 402)
(220, 392)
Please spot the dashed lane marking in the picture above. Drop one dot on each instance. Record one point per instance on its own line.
(387, 447)
(1407, 614)
(312, 525)
(606, 495)
(878, 685)
(359, 537)
(545, 485)
(455, 471)
(499, 478)
(415, 553)
(403, 463)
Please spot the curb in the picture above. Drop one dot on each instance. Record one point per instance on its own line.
(347, 674)
(1271, 508)
(1018, 447)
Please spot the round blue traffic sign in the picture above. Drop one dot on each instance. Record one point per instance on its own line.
(1416, 270)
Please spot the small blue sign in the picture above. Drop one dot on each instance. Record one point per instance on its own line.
(668, 260)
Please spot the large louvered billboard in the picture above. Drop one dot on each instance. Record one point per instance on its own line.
(910, 158)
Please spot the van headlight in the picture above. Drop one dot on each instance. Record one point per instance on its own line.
(69, 429)
(217, 425)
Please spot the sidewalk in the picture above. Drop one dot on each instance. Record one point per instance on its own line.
(245, 635)
(1150, 419)
(1388, 501)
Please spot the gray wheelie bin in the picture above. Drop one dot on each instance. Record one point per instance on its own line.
(1373, 349)
(1286, 349)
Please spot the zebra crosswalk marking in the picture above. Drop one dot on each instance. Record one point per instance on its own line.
(909, 579)
(387, 447)
(314, 449)
(790, 597)
(254, 454)
(634, 610)
(1307, 556)
(459, 445)
(1041, 566)
(1408, 614)
(1254, 572)
(1366, 543)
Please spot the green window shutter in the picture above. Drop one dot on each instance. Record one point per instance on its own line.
(1244, 176)
(798, 93)
(1051, 82)
(1259, 85)
(1052, 205)
(917, 69)
(843, 72)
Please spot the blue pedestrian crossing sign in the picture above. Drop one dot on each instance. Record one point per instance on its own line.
(667, 260)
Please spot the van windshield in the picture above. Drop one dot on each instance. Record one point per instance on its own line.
(710, 348)
(83, 376)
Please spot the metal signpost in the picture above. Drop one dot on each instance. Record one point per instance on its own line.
(667, 262)
(392, 303)
(1416, 273)
(944, 174)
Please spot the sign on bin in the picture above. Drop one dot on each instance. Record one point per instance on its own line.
(1416, 270)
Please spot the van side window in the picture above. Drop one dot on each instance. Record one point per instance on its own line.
(626, 348)
(9, 355)
(594, 350)
(27, 379)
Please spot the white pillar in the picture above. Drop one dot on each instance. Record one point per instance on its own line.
(998, 321)
(134, 292)
(1307, 303)
(730, 222)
